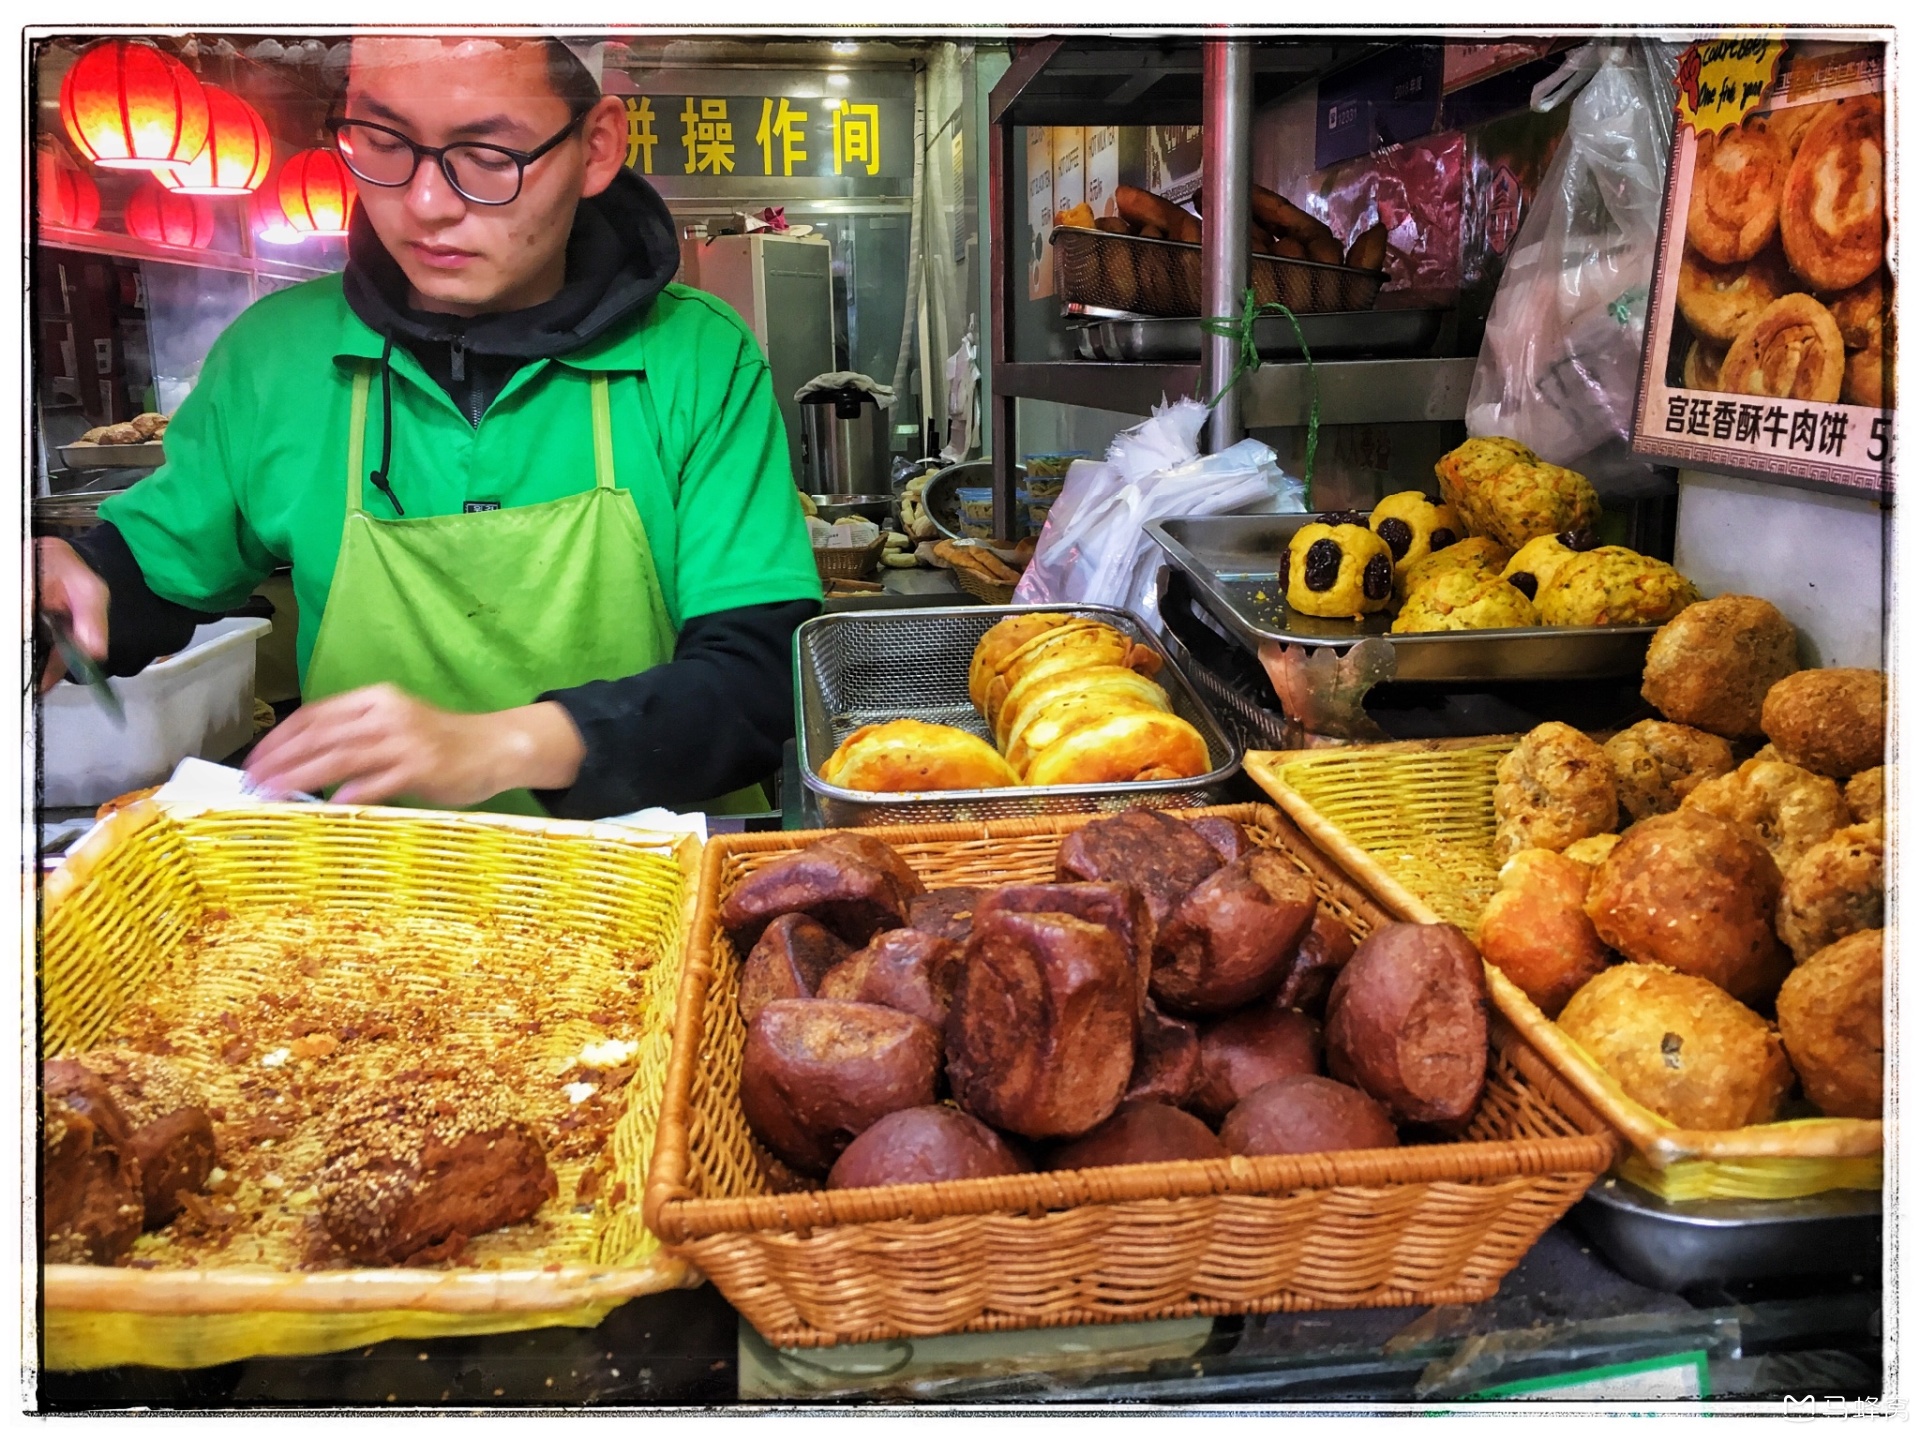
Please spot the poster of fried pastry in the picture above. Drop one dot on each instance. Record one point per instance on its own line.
(1770, 326)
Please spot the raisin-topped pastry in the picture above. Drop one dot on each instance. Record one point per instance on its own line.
(1338, 571)
(1414, 527)
(168, 1130)
(90, 1198)
(420, 1164)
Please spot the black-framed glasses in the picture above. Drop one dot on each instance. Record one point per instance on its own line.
(483, 174)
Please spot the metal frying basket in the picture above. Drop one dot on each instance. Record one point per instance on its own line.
(863, 668)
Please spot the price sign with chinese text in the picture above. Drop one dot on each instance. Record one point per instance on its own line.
(1769, 327)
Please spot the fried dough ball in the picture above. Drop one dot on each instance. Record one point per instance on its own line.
(1535, 930)
(1336, 571)
(1463, 468)
(1681, 1046)
(1697, 894)
(1476, 556)
(1614, 586)
(1866, 795)
(1790, 810)
(1711, 665)
(1833, 722)
(1413, 527)
(1553, 788)
(1831, 1023)
(1460, 600)
(1834, 890)
(1656, 765)
(1592, 850)
(1529, 499)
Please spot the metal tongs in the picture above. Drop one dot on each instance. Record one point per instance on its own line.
(80, 665)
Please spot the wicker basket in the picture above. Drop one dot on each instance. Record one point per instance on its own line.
(1434, 1224)
(848, 562)
(1134, 275)
(117, 920)
(1413, 823)
(987, 591)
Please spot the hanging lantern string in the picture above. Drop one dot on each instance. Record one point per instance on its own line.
(1240, 329)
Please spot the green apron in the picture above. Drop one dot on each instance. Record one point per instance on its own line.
(487, 611)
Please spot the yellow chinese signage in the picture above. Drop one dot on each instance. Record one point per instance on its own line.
(1721, 82)
(844, 136)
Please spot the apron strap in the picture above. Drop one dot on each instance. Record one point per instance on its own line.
(602, 431)
(357, 436)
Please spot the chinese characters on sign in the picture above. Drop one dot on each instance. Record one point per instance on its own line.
(791, 136)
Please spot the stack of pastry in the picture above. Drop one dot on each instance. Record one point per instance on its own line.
(1733, 893)
(1068, 701)
(1782, 288)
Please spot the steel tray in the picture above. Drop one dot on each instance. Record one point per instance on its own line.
(1673, 1245)
(1341, 335)
(148, 456)
(859, 669)
(1234, 564)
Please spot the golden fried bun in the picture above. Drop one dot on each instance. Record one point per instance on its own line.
(999, 645)
(1866, 794)
(1831, 1023)
(1553, 788)
(1068, 701)
(1462, 469)
(913, 755)
(1694, 893)
(1413, 527)
(1129, 745)
(1591, 851)
(1338, 571)
(1833, 722)
(1656, 765)
(1535, 930)
(1460, 600)
(1528, 499)
(1711, 665)
(1788, 809)
(1536, 562)
(1074, 647)
(1835, 889)
(1614, 586)
(1680, 1046)
(1477, 556)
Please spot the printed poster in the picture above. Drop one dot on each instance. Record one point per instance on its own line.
(1039, 212)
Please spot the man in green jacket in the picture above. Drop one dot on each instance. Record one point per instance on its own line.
(545, 542)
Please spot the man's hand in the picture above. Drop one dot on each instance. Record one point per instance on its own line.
(69, 588)
(379, 742)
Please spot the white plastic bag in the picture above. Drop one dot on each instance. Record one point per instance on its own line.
(1561, 358)
(1095, 549)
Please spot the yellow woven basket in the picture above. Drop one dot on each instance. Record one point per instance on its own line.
(1413, 823)
(605, 905)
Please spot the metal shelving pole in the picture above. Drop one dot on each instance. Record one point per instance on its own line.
(1227, 193)
(1000, 203)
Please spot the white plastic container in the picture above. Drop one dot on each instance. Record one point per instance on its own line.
(198, 702)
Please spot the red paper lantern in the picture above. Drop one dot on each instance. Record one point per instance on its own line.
(161, 217)
(128, 106)
(316, 193)
(268, 221)
(67, 194)
(236, 156)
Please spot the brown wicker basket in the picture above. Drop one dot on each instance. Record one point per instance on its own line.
(987, 591)
(1425, 1225)
(848, 562)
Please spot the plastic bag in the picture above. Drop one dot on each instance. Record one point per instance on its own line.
(1095, 549)
(1561, 359)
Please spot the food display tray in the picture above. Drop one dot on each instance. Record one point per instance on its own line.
(1342, 335)
(1233, 562)
(1436, 1224)
(1670, 1246)
(113, 457)
(1412, 822)
(863, 669)
(594, 912)
(1141, 276)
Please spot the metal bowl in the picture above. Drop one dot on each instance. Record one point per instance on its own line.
(877, 508)
(943, 506)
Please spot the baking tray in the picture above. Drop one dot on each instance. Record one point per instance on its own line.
(1342, 335)
(1669, 1245)
(1162, 277)
(859, 669)
(1233, 563)
(113, 457)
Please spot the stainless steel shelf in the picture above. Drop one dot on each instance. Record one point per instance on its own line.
(1352, 392)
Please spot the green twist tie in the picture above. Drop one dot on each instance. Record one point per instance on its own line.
(1240, 329)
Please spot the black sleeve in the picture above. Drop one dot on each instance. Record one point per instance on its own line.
(141, 627)
(710, 721)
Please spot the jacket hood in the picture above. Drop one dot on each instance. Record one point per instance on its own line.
(622, 253)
